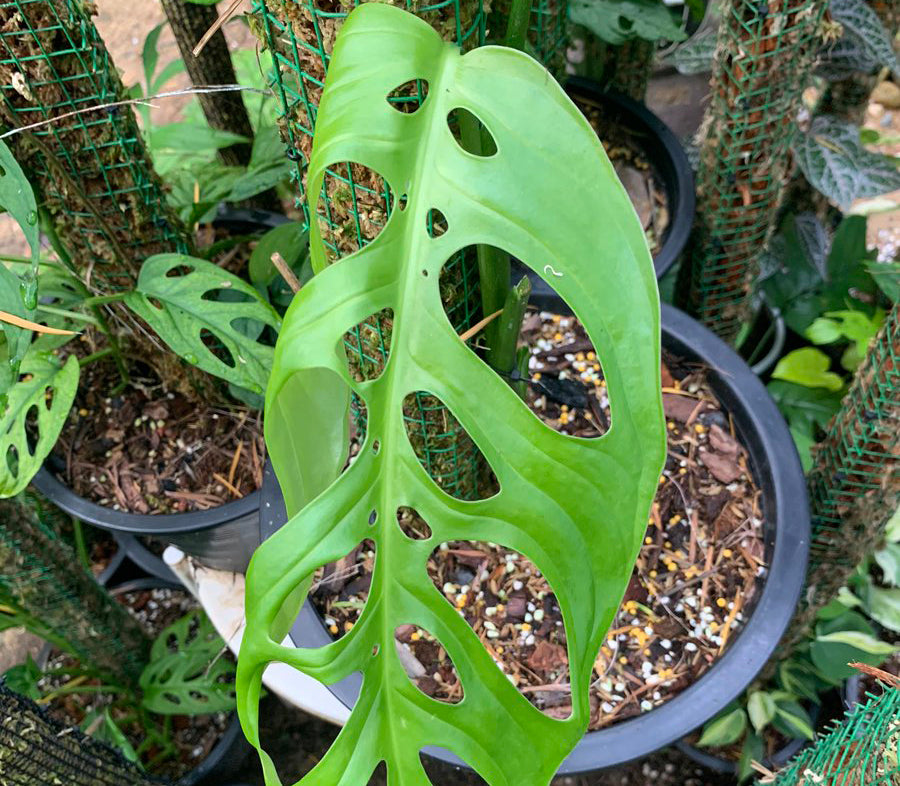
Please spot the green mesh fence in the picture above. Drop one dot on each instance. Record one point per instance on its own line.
(91, 168)
(763, 59)
(860, 751)
(45, 589)
(854, 485)
(356, 202)
(36, 750)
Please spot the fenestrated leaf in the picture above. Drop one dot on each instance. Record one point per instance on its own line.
(178, 296)
(21, 454)
(576, 508)
(834, 162)
(186, 674)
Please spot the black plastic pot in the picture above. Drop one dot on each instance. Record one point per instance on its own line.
(665, 155)
(776, 467)
(224, 537)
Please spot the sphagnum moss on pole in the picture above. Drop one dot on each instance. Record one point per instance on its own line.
(763, 59)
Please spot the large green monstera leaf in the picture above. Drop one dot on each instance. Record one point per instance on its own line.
(577, 508)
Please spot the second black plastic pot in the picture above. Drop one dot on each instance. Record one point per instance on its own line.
(223, 537)
(776, 467)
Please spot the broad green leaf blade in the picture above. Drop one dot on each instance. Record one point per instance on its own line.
(186, 674)
(861, 641)
(884, 606)
(177, 296)
(576, 508)
(724, 729)
(862, 25)
(618, 21)
(42, 377)
(761, 709)
(292, 242)
(808, 367)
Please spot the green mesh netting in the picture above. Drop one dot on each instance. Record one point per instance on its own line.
(854, 485)
(763, 58)
(45, 589)
(36, 750)
(356, 202)
(91, 168)
(862, 750)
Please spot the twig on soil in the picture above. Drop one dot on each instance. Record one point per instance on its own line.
(229, 486)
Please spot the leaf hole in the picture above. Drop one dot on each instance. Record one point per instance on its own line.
(226, 295)
(216, 347)
(412, 524)
(402, 202)
(32, 428)
(340, 588)
(427, 664)
(373, 517)
(442, 772)
(511, 607)
(12, 460)
(177, 271)
(409, 97)
(376, 446)
(352, 209)
(368, 346)
(555, 368)
(375, 650)
(445, 450)
(156, 303)
(470, 133)
(436, 223)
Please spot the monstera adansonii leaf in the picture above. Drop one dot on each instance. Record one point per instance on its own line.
(577, 508)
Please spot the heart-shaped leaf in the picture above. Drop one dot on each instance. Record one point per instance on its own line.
(187, 674)
(576, 508)
(835, 162)
(182, 299)
(808, 366)
(42, 399)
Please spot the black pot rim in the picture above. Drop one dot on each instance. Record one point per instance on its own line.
(170, 523)
(777, 469)
(667, 155)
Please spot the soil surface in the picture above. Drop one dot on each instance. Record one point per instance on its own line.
(694, 583)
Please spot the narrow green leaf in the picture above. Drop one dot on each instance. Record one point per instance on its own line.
(21, 456)
(543, 476)
(809, 367)
(150, 56)
(178, 296)
(858, 640)
(761, 709)
(753, 750)
(23, 678)
(724, 729)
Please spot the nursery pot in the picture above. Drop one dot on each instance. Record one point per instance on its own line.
(666, 157)
(223, 537)
(776, 468)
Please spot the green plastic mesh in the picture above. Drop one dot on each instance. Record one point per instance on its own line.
(356, 202)
(763, 59)
(854, 485)
(862, 750)
(44, 588)
(92, 168)
(36, 750)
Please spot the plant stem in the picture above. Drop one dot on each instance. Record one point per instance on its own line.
(61, 312)
(99, 355)
(80, 544)
(503, 353)
(517, 24)
(102, 300)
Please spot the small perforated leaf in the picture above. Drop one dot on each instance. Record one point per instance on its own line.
(187, 674)
(47, 387)
(182, 306)
(576, 508)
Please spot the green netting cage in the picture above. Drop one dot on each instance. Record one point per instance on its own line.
(764, 55)
(356, 203)
(91, 167)
(861, 750)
